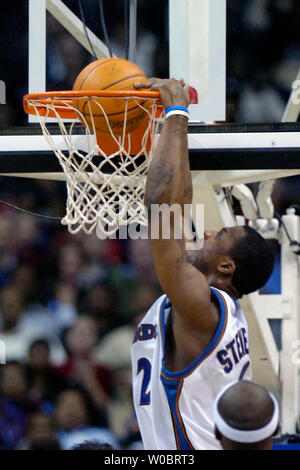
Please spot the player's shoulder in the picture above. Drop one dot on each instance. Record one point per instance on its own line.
(225, 301)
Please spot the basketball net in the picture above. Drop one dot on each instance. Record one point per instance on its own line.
(105, 181)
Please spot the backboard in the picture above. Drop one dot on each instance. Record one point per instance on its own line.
(196, 38)
(51, 44)
(169, 37)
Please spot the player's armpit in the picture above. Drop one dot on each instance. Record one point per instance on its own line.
(185, 286)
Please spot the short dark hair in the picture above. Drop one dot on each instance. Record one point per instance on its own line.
(254, 261)
(92, 445)
(39, 342)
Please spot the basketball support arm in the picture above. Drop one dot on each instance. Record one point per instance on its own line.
(272, 368)
(277, 370)
(37, 39)
(37, 36)
(75, 26)
(292, 110)
(285, 306)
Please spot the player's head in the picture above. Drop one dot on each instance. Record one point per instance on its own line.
(236, 257)
(246, 417)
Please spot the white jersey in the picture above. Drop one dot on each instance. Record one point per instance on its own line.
(175, 409)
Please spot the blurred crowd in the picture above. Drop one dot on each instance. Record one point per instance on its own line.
(69, 304)
(263, 57)
(68, 309)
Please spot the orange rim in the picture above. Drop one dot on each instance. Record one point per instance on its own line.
(63, 100)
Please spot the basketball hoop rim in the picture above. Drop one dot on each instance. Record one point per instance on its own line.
(105, 168)
(62, 101)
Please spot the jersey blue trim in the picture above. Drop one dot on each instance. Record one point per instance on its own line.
(207, 350)
(173, 381)
(244, 370)
(172, 390)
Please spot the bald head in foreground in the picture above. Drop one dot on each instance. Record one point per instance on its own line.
(246, 417)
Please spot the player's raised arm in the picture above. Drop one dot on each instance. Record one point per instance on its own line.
(169, 182)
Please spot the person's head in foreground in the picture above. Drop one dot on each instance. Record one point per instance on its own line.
(92, 445)
(246, 417)
(237, 260)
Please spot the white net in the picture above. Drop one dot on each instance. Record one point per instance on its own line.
(105, 179)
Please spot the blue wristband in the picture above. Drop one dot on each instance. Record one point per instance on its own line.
(176, 108)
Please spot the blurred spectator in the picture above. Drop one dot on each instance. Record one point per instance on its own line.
(8, 255)
(146, 45)
(36, 315)
(99, 303)
(286, 193)
(65, 58)
(7, 115)
(140, 256)
(15, 338)
(260, 100)
(26, 281)
(114, 351)
(69, 263)
(43, 381)
(121, 413)
(92, 445)
(63, 306)
(161, 60)
(80, 369)
(40, 434)
(15, 406)
(114, 348)
(74, 422)
(143, 296)
(133, 439)
(19, 329)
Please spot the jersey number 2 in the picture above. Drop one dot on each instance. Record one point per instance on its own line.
(145, 366)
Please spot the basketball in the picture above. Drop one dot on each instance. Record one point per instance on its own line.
(111, 74)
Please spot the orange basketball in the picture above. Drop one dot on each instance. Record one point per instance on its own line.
(111, 74)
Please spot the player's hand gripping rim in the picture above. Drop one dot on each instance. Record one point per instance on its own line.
(172, 92)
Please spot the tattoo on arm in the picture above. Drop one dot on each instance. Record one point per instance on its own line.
(188, 191)
(160, 177)
(181, 260)
(191, 273)
(162, 172)
(180, 131)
